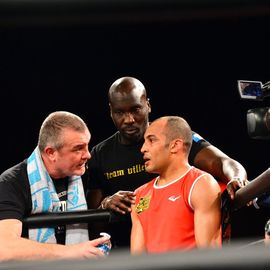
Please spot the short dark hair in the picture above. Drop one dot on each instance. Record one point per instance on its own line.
(178, 127)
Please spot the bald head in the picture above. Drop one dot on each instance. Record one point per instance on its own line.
(176, 127)
(129, 108)
(125, 86)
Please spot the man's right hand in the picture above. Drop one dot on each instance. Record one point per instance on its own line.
(120, 202)
(15, 247)
(86, 250)
(234, 185)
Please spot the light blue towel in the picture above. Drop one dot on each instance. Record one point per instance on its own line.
(45, 199)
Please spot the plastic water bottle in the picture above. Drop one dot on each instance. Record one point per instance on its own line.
(105, 247)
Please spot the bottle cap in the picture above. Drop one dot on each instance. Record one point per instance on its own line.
(105, 247)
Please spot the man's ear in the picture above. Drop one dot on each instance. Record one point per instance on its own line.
(110, 107)
(176, 145)
(50, 152)
(149, 105)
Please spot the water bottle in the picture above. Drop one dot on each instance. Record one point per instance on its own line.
(105, 247)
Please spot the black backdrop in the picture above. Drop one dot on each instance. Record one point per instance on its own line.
(189, 56)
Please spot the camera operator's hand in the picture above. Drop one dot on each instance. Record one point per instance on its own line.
(120, 202)
(267, 233)
(234, 185)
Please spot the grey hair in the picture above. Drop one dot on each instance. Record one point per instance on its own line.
(52, 127)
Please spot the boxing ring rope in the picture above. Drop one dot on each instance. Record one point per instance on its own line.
(255, 188)
(61, 218)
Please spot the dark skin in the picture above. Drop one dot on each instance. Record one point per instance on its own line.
(222, 167)
(129, 109)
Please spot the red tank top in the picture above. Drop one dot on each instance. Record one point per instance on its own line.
(166, 213)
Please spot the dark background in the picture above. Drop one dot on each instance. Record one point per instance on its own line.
(64, 55)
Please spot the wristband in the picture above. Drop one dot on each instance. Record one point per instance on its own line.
(103, 203)
(255, 203)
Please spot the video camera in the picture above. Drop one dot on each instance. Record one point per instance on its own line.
(258, 119)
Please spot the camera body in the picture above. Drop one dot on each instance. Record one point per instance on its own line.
(258, 119)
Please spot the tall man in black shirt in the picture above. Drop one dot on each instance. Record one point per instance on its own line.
(116, 168)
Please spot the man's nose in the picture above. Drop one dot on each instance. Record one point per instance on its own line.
(129, 118)
(87, 154)
(143, 148)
